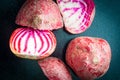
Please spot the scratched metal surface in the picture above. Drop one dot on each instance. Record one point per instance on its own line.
(106, 25)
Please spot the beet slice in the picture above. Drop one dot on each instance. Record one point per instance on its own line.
(32, 43)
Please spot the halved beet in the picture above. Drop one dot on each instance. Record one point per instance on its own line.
(77, 14)
(32, 43)
(40, 14)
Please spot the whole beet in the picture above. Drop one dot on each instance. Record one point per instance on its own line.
(88, 57)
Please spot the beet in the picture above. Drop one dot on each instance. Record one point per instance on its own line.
(89, 57)
(54, 69)
(77, 14)
(40, 14)
(32, 43)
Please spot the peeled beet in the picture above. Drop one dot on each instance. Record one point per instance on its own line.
(40, 14)
(54, 69)
(89, 57)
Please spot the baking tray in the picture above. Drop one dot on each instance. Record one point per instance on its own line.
(106, 25)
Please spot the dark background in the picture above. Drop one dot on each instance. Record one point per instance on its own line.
(106, 25)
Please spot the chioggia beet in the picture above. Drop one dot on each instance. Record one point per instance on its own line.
(77, 14)
(40, 14)
(32, 43)
(54, 69)
(89, 57)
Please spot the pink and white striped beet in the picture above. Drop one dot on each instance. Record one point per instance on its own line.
(32, 43)
(77, 14)
(40, 14)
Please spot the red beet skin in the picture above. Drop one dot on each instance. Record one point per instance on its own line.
(54, 69)
(88, 57)
(40, 14)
